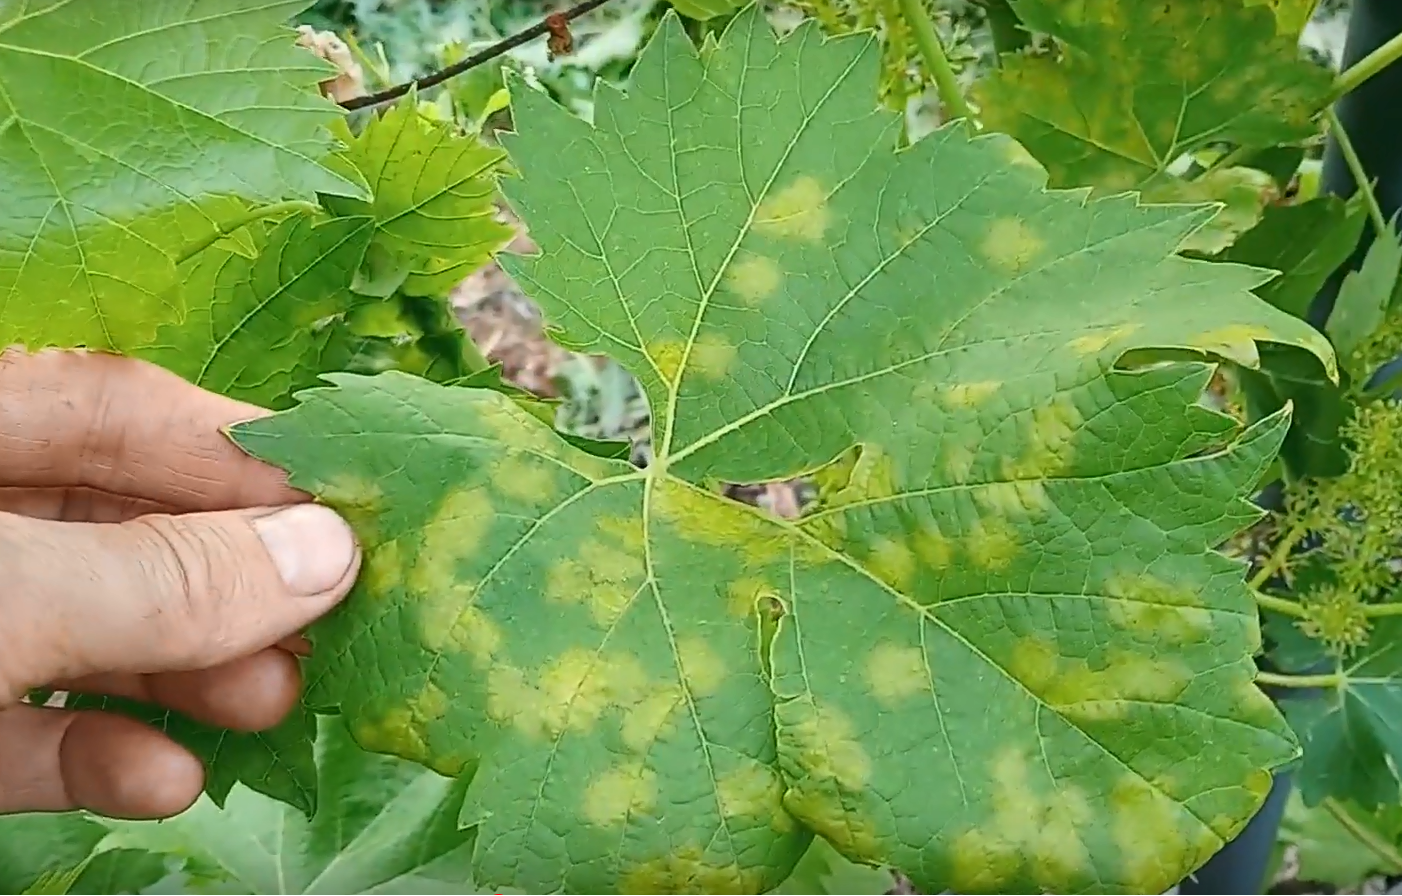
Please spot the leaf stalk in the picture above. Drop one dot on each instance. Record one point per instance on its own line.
(927, 41)
(1365, 68)
(1356, 169)
(1282, 606)
(1281, 680)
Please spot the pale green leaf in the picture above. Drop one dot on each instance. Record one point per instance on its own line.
(37, 847)
(1329, 852)
(1291, 15)
(1139, 84)
(434, 192)
(989, 658)
(1363, 298)
(122, 124)
(381, 823)
(1243, 192)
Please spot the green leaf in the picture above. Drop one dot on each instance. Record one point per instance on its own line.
(1365, 294)
(122, 126)
(121, 871)
(1243, 193)
(823, 870)
(260, 328)
(1138, 84)
(1314, 447)
(434, 192)
(381, 823)
(1328, 852)
(1291, 15)
(1351, 733)
(35, 847)
(1025, 528)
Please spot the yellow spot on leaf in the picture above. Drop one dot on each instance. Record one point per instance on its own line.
(359, 501)
(404, 731)
(895, 674)
(686, 869)
(1017, 154)
(604, 577)
(967, 395)
(754, 278)
(703, 670)
(754, 791)
(1017, 498)
(1096, 342)
(619, 793)
(383, 570)
(1012, 245)
(798, 210)
(958, 463)
(1147, 605)
(1109, 692)
(648, 716)
(667, 355)
(991, 545)
(826, 749)
(1159, 841)
(850, 831)
(934, 547)
(1235, 342)
(699, 518)
(893, 563)
(452, 537)
(573, 691)
(453, 623)
(743, 595)
(1047, 450)
(712, 356)
(520, 477)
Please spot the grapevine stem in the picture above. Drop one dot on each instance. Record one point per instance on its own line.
(1279, 557)
(1276, 679)
(482, 57)
(1283, 606)
(1355, 168)
(1388, 609)
(1368, 66)
(1380, 847)
(927, 40)
(248, 217)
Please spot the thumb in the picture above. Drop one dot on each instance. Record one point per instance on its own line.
(164, 593)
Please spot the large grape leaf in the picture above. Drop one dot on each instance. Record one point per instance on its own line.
(123, 127)
(383, 826)
(435, 192)
(990, 659)
(1139, 84)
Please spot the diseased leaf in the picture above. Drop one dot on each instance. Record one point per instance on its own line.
(1243, 192)
(379, 823)
(433, 196)
(1365, 294)
(1351, 732)
(97, 207)
(1328, 852)
(1139, 84)
(823, 870)
(662, 690)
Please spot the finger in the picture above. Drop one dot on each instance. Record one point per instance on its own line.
(253, 693)
(126, 427)
(78, 504)
(54, 760)
(164, 593)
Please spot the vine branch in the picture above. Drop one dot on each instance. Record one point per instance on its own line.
(1359, 173)
(927, 40)
(481, 57)
(1276, 679)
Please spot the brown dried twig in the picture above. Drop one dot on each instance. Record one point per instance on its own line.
(482, 57)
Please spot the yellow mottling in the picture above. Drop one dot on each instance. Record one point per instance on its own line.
(983, 862)
(648, 716)
(686, 869)
(604, 577)
(383, 569)
(627, 531)
(744, 594)
(515, 475)
(359, 501)
(451, 538)
(754, 791)
(933, 547)
(991, 545)
(1150, 606)
(827, 749)
(1016, 154)
(703, 670)
(573, 691)
(1225, 826)
(1235, 342)
(754, 278)
(451, 622)
(1016, 498)
(1097, 342)
(967, 395)
(619, 793)
(1109, 692)
(1012, 245)
(851, 831)
(1034, 662)
(799, 210)
(699, 518)
(958, 463)
(895, 673)
(1159, 841)
(508, 422)
(429, 704)
(712, 356)
(893, 563)
(666, 356)
(394, 733)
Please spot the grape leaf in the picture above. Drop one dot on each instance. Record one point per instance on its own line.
(1365, 294)
(379, 824)
(1291, 15)
(662, 690)
(37, 845)
(1328, 852)
(434, 192)
(1352, 731)
(277, 762)
(1140, 84)
(120, 123)
(1243, 192)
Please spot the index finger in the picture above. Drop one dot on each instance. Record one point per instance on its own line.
(126, 427)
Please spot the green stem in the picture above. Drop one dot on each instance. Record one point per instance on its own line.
(1367, 67)
(927, 40)
(1278, 558)
(1376, 610)
(1276, 679)
(248, 217)
(1282, 606)
(1355, 167)
(1360, 831)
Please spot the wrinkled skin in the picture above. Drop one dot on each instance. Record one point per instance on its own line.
(140, 556)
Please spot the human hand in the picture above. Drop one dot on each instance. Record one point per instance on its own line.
(142, 555)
